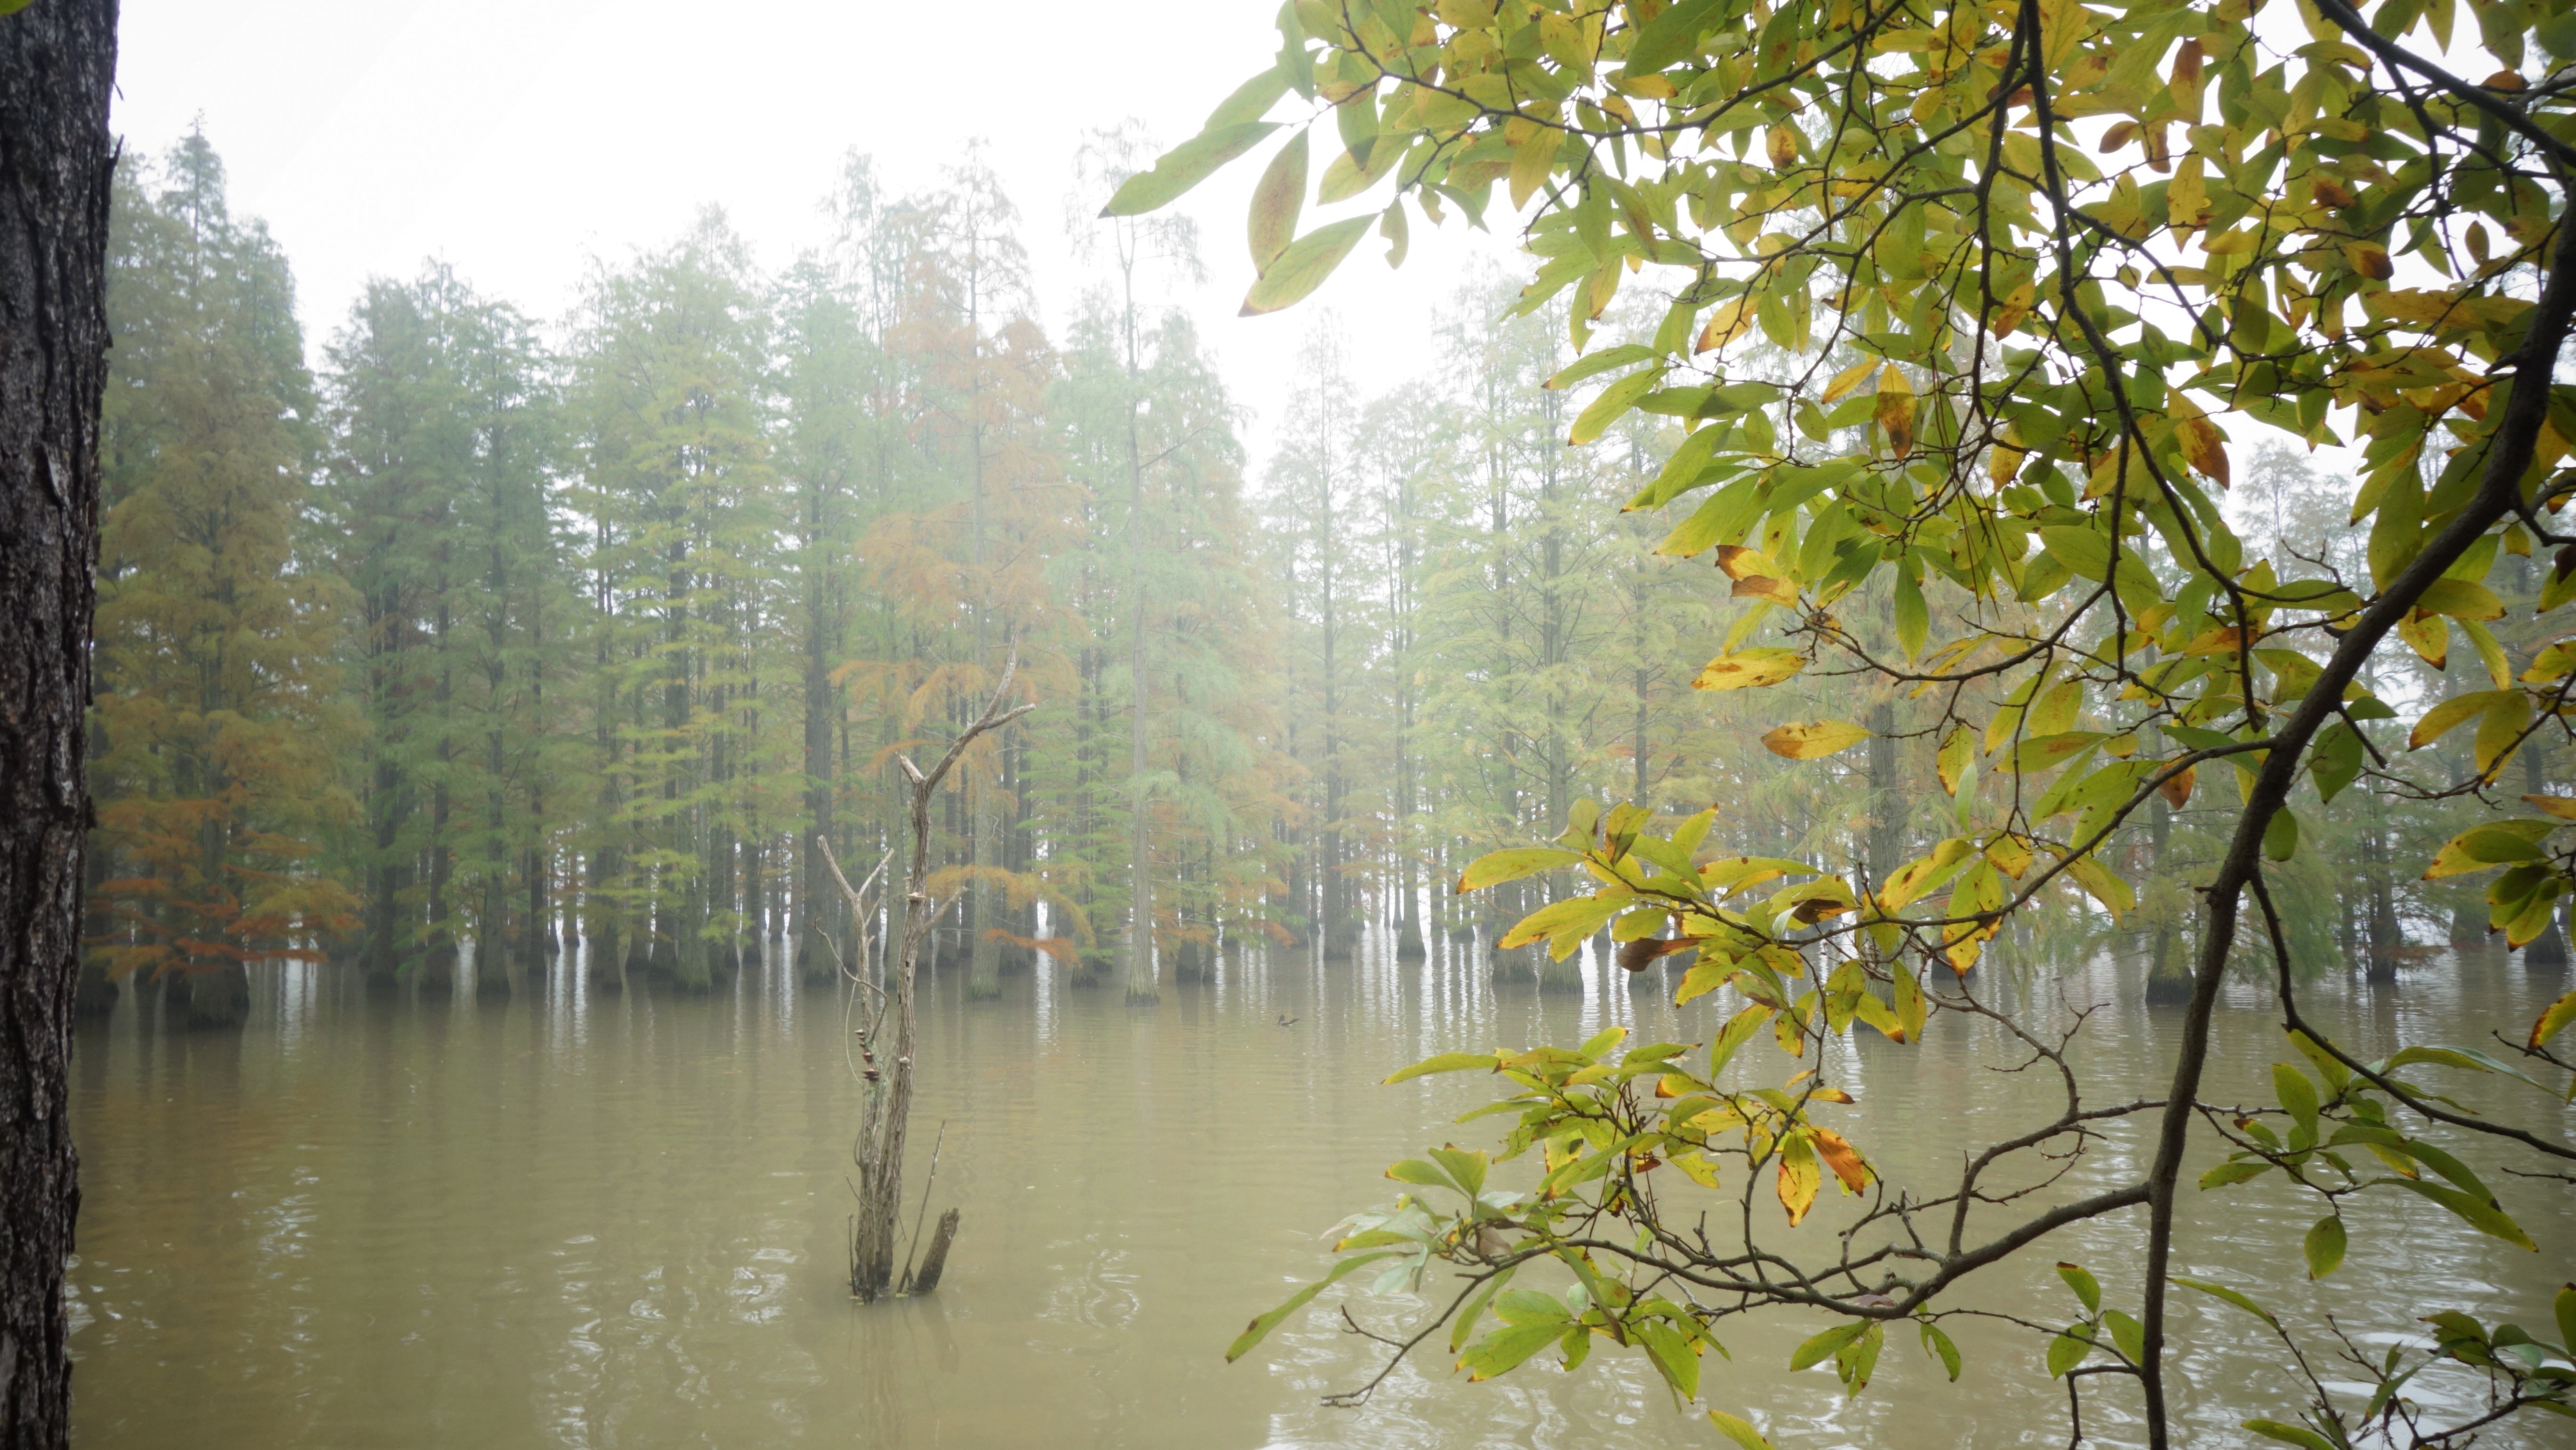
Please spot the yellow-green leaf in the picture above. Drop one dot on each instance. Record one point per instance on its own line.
(2461, 599)
(1496, 867)
(1613, 402)
(1304, 265)
(1261, 1327)
(2102, 886)
(1277, 201)
(1672, 35)
(1577, 918)
(2500, 731)
(1532, 160)
(1738, 1430)
(1185, 166)
(2495, 844)
(2324, 1246)
(1447, 1062)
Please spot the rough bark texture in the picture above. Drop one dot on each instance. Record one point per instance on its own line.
(57, 60)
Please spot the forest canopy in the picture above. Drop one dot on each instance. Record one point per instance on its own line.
(495, 629)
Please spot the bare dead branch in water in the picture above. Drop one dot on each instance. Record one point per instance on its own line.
(887, 1113)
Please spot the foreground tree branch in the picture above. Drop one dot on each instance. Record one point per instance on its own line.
(1962, 309)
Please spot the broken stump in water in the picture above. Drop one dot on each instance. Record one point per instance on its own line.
(935, 1262)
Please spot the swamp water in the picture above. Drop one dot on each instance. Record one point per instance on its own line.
(586, 1220)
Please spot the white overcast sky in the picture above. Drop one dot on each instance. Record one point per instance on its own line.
(518, 139)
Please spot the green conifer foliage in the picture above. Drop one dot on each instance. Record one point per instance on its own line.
(670, 378)
(438, 499)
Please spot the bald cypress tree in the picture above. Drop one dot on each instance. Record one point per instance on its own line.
(437, 500)
(219, 714)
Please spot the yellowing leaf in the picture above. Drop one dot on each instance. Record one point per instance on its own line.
(2455, 712)
(2003, 464)
(2008, 855)
(2500, 732)
(2102, 886)
(1846, 380)
(1741, 563)
(1895, 412)
(2014, 307)
(1532, 160)
(2056, 709)
(1749, 669)
(1814, 739)
(1782, 146)
(2428, 635)
(2563, 807)
(1799, 1177)
(1925, 874)
(1953, 760)
(1729, 322)
(1760, 586)
(2203, 446)
(2553, 1021)
(2187, 195)
(1563, 920)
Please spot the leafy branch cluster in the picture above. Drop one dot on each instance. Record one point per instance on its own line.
(2039, 264)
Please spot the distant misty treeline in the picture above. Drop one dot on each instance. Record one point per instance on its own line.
(503, 626)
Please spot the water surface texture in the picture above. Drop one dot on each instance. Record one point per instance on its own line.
(618, 1220)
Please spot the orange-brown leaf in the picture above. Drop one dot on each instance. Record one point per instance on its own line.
(1842, 1157)
(2177, 791)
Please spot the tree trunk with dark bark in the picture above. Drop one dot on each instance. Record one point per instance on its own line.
(57, 60)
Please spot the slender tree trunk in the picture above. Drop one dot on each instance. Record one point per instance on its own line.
(2547, 952)
(57, 61)
(2168, 980)
(814, 951)
(1144, 977)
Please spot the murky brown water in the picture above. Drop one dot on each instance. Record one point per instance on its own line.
(617, 1222)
